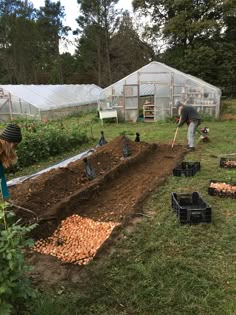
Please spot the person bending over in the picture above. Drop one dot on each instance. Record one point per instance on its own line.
(191, 117)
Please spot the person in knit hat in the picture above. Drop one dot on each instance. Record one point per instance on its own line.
(9, 138)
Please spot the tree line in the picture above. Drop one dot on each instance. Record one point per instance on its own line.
(194, 36)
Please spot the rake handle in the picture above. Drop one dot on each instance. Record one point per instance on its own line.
(173, 142)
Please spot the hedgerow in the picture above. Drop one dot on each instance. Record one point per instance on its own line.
(42, 140)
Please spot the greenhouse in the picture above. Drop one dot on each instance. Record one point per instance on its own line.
(152, 92)
(46, 101)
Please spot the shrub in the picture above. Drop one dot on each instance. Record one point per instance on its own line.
(14, 286)
(42, 140)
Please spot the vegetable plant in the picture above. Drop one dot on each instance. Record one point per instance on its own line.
(14, 285)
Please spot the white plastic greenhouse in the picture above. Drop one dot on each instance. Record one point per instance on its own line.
(152, 92)
(46, 101)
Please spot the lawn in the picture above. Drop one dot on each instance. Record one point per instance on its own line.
(159, 266)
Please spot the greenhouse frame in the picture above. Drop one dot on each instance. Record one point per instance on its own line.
(151, 93)
(46, 101)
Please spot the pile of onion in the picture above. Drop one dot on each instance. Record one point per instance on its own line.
(230, 163)
(76, 240)
(223, 187)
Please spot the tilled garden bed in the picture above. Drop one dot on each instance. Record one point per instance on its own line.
(108, 201)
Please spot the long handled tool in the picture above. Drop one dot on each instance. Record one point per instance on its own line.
(173, 142)
(12, 204)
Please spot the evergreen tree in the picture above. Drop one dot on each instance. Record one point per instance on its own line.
(128, 51)
(96, 24)
(17, 41)
(51, 30)
(29, 42)
(91, 56)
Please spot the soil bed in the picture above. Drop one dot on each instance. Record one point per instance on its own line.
(115, 195)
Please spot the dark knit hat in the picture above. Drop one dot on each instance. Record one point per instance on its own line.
(12, 133)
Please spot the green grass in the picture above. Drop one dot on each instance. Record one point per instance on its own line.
(162, 267)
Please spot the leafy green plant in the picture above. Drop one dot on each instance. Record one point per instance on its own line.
(14, 286)
(42, 140)
(206, 117)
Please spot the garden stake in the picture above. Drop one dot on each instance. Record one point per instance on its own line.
(89, 171)
(102, 140)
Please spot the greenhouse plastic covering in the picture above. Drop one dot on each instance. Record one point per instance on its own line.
(166, 85)
(49, 97)
(156, 73)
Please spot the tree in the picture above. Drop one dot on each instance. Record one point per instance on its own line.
(90, 56)
(182, 22)
(192, 32)
(128, 51)
(29, 42)
(17, 45)
(97, 23)
(227, 50)
(69, 67)
(51, 30)
(49, 21)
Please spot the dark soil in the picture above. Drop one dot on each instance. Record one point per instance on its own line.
(119, 190)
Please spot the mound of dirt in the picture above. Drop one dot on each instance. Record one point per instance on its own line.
(41, 193)
(120, 188)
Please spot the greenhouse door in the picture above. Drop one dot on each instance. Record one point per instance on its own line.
(162, 93)
(131, 102)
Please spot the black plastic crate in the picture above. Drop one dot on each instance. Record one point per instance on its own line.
(228, 163)
(191, 208)
(222, 191)
(187, 169)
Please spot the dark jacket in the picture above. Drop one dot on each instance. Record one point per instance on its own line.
(188, 114)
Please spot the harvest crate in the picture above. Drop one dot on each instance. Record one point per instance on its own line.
(228, 163)
(222, 189)
(186, 169)
(191, 208)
